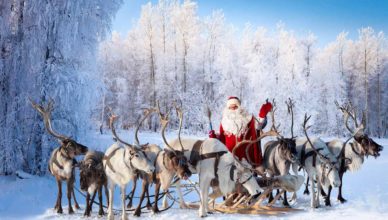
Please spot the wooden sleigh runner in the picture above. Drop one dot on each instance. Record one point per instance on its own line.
(241, 203)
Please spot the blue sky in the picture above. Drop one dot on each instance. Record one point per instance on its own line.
(325, 18)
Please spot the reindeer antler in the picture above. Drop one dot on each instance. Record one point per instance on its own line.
(112, 119)
(46, 114)
(147, 112)
(349, 111)
(179, 112)
(164, 121)
(290, 108)
(305, 128)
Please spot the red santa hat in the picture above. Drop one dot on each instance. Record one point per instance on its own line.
(233, 100)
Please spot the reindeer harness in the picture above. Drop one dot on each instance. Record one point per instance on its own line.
(196, 156)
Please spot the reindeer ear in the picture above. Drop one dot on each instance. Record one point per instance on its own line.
(169, 153)
(348, 161)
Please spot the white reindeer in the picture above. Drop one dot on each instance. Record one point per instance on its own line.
(121, 164)
(319, 163)
(211, 160)
(351, 154)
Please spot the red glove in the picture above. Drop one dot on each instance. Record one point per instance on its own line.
(265, 108)
(212, 134)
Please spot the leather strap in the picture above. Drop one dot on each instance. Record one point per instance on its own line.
(231, 172)
(107, 158)
(195, 153)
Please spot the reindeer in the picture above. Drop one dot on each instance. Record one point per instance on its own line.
(93, 179)
(210, 159)
(121, 165)
(320, 164)
(351, 155)
(62, 163)
(168, 163)
(281, 153)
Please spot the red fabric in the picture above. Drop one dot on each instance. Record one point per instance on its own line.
(212, 134)
(230, 141)
(265, 108)
(233, 97)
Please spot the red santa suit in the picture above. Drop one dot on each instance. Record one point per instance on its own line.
(239, 123)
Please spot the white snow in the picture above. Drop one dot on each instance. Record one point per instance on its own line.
(34, 197)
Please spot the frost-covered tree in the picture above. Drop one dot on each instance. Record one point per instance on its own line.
(48, 50)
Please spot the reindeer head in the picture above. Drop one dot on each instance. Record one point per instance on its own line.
(68, 146)
(179, 163)
(138, 159)
(133, 156)
(287, 147)
(245, 176)
(72, 148)
(178, 159)
(368, 146)
(91, 172)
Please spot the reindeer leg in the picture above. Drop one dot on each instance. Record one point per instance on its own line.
(124, 213)
(182, 203)
(306, 190)
(58, 206)
(75, 200)
(106, 193)
(149, 206)
(155, 208)
(131, 194)
(110, 199)
(285, 201)
(340, 198)
(204, 184)
(92, 200)
(101, 210)
(138, 208)
(69, 190)
(313, 199)
(87, 210)
(72, 189)
(270, 197)
(327, 197)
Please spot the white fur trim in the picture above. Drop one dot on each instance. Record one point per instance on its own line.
(235, 121)
(261, 120)
(232, 102)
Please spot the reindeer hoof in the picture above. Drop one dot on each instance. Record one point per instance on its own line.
(137, 213)
(101, 213)
(129, 205)
(77, 206)
(306, 192)
(87, 214)
(155, 209)
(60, 210)
(71, 211)
(342, 200)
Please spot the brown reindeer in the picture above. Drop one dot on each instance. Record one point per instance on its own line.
(62, 162)
(281, 153)
(93, 179)
(168, 163)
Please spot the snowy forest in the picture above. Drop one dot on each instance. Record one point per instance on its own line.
(64, 50)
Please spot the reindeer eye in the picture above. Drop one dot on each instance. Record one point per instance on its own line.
(136, 155)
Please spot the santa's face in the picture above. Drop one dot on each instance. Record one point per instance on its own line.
(235, 120)
(233, 107)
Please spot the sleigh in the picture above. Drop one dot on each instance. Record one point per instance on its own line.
(242, 203)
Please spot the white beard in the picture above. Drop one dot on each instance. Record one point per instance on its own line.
(235, 121)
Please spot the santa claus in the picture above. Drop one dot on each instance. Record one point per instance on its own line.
(237, 122)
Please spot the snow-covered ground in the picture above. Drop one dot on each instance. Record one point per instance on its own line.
(34, 197)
